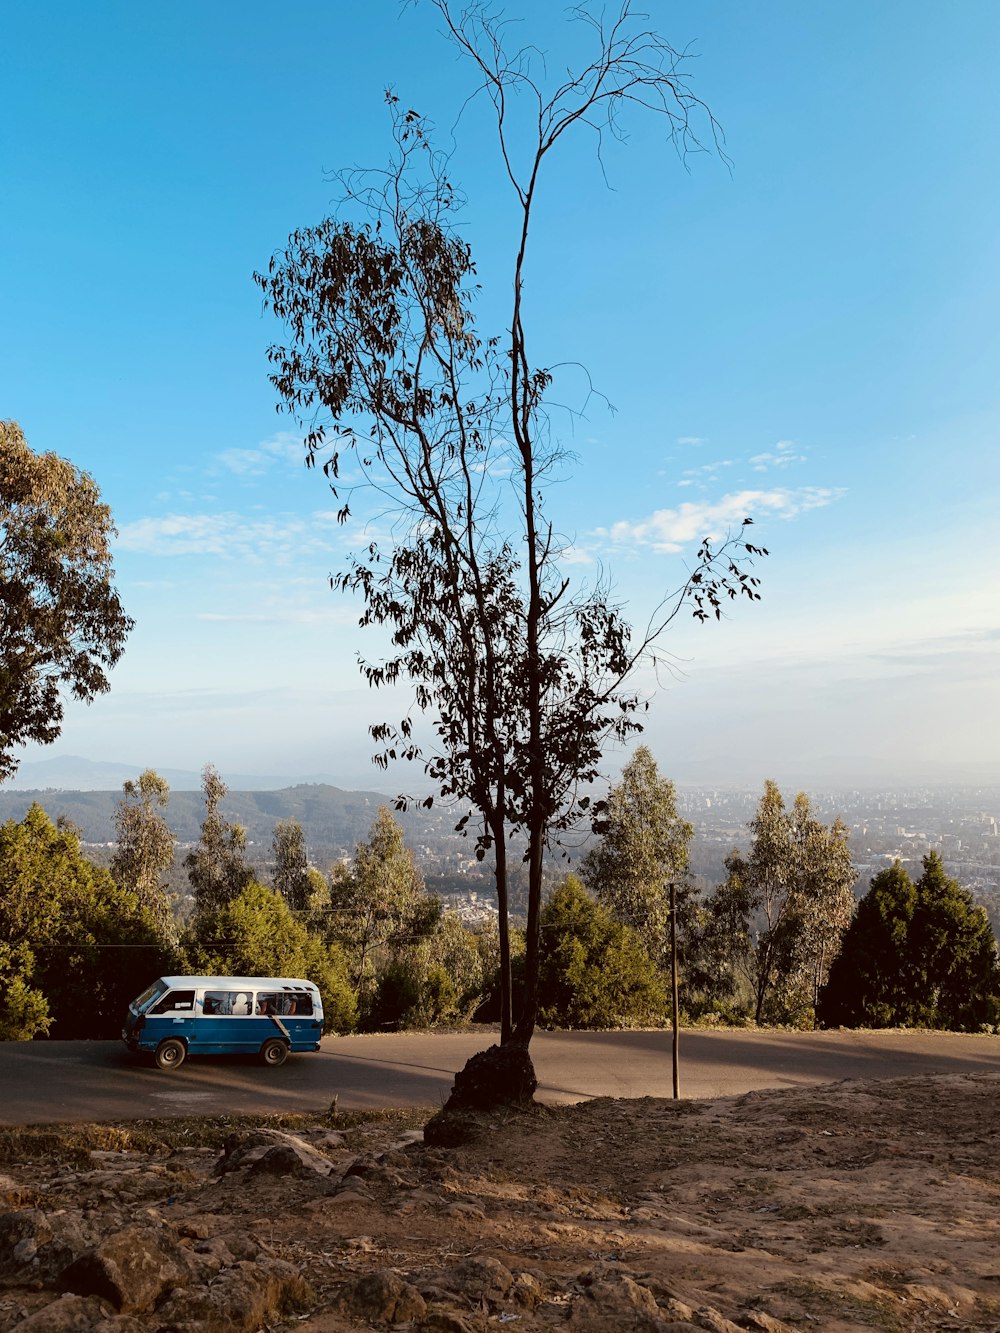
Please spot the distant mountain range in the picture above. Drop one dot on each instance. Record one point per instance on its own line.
(332, 816)
(71, 773)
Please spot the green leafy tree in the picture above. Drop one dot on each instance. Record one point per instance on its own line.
(437, 980)
(216, 866)
(595, 972)
(525, 679)
(784, 906)
(145, 850)
(24, 1010)
(378, 906)
(75, 946)
(643, 848)
(915, 955)
(291, 875)
(255, 934)
(62, 626)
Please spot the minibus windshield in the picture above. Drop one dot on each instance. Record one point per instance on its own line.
(147, 997)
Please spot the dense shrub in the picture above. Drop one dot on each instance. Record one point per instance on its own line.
(595, 972)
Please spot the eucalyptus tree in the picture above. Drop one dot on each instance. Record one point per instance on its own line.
(378, 906)
(291, 876)
(62, 626)
(145, 850)
(216, 865)
(525, 679)
(785, 904)
(644, 847)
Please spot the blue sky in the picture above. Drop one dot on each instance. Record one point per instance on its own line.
(810, 336)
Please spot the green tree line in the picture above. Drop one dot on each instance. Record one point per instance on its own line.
(781, 940)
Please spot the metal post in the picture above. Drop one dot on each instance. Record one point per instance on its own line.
(673, 985)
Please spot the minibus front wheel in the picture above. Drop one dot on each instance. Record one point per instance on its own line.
(170, 1053)
(273, 1052)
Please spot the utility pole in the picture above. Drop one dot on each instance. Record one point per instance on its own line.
(673, 986)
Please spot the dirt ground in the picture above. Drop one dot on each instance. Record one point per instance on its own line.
(849, 1206)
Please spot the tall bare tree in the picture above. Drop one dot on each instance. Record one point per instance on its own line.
(526, 680)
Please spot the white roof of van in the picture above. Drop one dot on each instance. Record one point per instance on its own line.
(248, 983)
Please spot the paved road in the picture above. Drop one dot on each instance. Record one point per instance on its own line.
(44, 1082)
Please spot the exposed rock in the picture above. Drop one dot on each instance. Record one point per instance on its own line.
(271, 1151)
(615, 1300)
(760, 1319)
(132, 1269)
(479, 1279)
(448, 1321)
(242, 1299)
(21, 1235)
(383, 1297)
(67, 1315)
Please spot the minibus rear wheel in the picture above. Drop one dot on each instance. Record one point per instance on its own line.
(170, 1053)
(273, 1052)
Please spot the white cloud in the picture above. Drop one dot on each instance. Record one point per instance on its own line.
(670, 530)
(785, 453)
(690, 439)
(228, 536)
(282, 449)
(710, 470)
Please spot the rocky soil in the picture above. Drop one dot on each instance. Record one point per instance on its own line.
(852, 1206)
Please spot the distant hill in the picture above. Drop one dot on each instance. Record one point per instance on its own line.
(69, 772)
(330, 816)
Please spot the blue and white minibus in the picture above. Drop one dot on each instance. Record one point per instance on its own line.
(267, 1016)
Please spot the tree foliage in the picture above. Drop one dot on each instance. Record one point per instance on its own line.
(216, 865)
(643, 848)
(526, 680)
(915, 955)
(255, 934)
(145, 850)
(378, 907)
(436, 980)
(784, 906)
(291, 876)
(75, 946)
(62, 626)
(595, 971)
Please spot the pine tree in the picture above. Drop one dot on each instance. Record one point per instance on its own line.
(916, 954)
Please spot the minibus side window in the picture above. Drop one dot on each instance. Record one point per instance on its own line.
(227, 1003)
(300, 1004)
(174, 1001)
